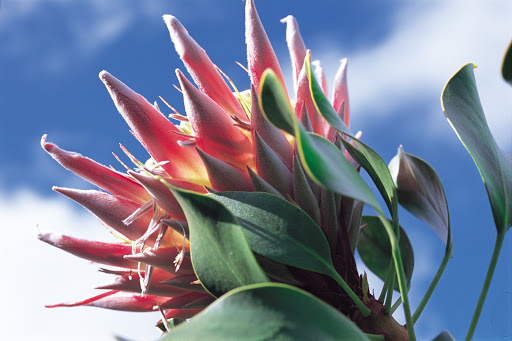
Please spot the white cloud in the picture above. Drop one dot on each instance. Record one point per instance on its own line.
(82, 29)
(428, 43)
(35, 274)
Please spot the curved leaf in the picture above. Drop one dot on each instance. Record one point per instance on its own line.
(283, 232)
(375, 250)
(463, 110)
(364, 155)
(268, 312)
(378, 171)
(322, 160)
(221, 257)
(269, 221)
(506, 66)
(420, 192)
(326, 165)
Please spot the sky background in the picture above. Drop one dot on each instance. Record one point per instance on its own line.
(401, 53)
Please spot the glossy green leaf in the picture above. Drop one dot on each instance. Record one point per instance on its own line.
(377, 169)
(463, 110)
(281, 231)
(375, 250)
(269, 221)
(274, 102)
(325, 164)
(268, 312)
(420, 192)
(322, 160)
(506, 66)
(364, 155)
(221, 257)
(322, 104)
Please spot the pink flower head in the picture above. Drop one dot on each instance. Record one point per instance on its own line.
(224, 143)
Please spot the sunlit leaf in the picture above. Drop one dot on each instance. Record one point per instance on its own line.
(463, 110)
(364, 155)
(322, 160)
(268, 312)
(375, 250)
(221, 257)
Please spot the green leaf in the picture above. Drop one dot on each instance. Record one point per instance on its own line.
(421, 192)
(322, 104)
(268, 312)
(327, 165)
(269, 221)
(375, 250)
(364, 155)
(221, 257)
(274, 102)
(506, 66)
(324, 107)
(463, 110)
(322, 160)
(283, 232)
(377, 169)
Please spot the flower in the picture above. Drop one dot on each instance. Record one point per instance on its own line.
(224, 143)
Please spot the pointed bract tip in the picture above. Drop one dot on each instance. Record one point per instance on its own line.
(173, 24)
(179, 74)
(47, 146)
(287, 19)
(104, 76)
(344, 60)
(43, 141)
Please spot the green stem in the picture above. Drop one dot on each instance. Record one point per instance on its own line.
(402, 283)
(391, 287)
(435, 281)
(364, 309)
(396, 305)
(386, 282)
(487, 283)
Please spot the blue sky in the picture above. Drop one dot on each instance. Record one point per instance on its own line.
(400, 56)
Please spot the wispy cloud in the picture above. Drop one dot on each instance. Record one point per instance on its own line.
(29, 29)
(35, 274)
(429, 42)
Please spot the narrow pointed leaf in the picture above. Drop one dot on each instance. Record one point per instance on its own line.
(322, 104)
(420, 192)
(463, 110)
(268, 312)
(375, 250)
(221, 257)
